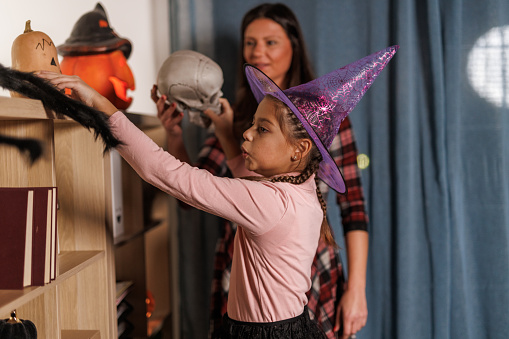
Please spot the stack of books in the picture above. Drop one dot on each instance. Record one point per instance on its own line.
(29, 244)
(124, 308)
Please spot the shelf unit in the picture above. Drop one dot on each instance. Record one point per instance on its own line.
(142, 251)
(80, 302)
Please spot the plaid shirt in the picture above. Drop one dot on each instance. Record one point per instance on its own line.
(326, 273)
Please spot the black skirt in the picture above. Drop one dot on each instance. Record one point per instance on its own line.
(300, 327)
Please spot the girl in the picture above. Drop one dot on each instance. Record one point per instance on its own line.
(271, 39)
(279, 209)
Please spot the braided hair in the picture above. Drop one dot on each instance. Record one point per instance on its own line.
(293, 129)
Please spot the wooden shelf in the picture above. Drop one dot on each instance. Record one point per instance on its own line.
(70, 263)
(21, 109)
(80, 334)
(142, 252)
(125, 238)
(80, 302)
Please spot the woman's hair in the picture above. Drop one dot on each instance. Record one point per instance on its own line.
(300, 69)
(293, 130)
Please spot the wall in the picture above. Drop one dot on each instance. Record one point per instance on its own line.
(144, 23)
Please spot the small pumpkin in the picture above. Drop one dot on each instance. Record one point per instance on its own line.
(14, 328)
(34, 51)
(107, 73)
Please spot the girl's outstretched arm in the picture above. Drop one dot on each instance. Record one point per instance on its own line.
(80, 91)
(263, 205)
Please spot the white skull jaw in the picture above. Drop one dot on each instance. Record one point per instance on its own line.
(194, 82)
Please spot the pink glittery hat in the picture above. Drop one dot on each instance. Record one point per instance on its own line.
(323, 103)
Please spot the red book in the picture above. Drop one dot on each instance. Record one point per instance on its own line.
(47, 264)
(54, 236)
(16, 211)
(41, 224)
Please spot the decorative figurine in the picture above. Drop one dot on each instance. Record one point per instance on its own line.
(96, 54)
(14, 328)
(33, 51)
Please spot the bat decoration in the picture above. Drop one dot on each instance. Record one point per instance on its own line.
(34, 87)
(32, 146)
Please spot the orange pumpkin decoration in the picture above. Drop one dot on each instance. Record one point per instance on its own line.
(34, 51)
(108, 73)
(96, 54)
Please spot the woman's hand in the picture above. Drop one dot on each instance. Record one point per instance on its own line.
(170, 118)
(352, 311)
(79, 90)
(223, 123)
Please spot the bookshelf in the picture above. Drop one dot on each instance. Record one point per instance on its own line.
(80, 302)
(142, 253)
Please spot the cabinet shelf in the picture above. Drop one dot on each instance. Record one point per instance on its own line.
(80, 302)
(125, 238)
(142, 251)
(22, 109)
(83, 334)
(70, 263)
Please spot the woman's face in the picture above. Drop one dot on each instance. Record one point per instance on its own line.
(267, 46)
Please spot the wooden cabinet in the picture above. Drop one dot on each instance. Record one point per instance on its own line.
(142, 251)
(80, 302)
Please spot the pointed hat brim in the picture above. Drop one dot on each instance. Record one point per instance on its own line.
(323, 103)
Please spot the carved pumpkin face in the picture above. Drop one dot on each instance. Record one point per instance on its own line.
(34, 51)
(107, 73)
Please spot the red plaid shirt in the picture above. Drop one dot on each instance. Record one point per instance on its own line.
(326, 273)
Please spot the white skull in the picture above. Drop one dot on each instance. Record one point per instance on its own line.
(194, 82)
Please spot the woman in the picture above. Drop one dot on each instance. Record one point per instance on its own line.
(272, 40)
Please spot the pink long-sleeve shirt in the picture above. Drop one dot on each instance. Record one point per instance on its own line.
(279, 224)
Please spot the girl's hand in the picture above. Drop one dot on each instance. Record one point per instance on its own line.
(352, 311)
(79, 91)
(170, 118)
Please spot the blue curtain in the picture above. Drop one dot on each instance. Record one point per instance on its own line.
(435, 127)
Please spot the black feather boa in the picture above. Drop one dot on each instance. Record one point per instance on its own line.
(34, 87)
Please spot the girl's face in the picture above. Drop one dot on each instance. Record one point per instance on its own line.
(266, 151)
(267, 46)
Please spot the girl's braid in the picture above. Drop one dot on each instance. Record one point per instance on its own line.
(311, 168)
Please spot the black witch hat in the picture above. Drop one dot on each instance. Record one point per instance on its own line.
(92, 34)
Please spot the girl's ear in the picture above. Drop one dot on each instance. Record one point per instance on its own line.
(303, 148)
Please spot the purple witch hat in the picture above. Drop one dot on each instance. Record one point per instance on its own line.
(323, 103)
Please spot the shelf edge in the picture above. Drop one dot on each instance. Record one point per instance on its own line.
(70, 263)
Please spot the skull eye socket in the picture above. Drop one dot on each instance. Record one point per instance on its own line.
(185, 95)
(215, 97)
